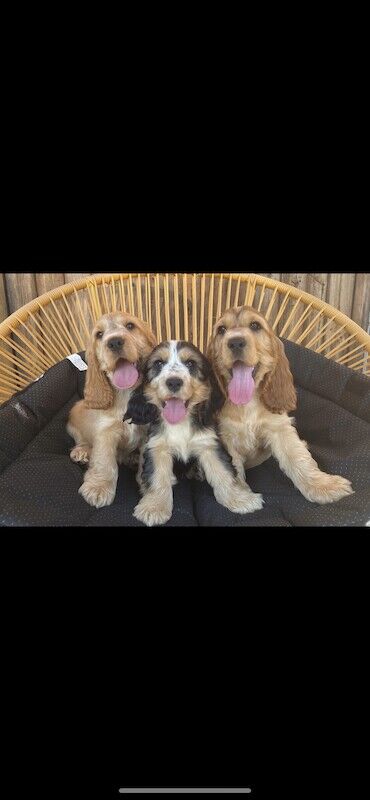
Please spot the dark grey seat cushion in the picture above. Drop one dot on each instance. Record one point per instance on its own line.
(39, 482)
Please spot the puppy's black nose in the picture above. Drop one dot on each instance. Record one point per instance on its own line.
(174, 384)
(115, 344)
(236, 344)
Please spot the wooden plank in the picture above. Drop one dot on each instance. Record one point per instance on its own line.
(276, 276)
(21, 288)
(333, 289)
(361, 300)
(346, 292)
(3, 301)
(297, 279)
(75, 276)
(316, 283)
(45, 281)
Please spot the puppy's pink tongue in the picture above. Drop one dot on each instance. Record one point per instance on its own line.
(174, 410)
(125, 375)
(241, 386)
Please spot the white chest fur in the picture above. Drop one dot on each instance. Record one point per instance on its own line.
(178, 439)
(243, 432)
(182, 441)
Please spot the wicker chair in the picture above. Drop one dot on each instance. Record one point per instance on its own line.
(58, 323)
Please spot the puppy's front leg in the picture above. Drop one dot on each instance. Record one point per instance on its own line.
(81, 451)
(237, 462)
(229, 489)
(100, 480)
(155, 478)
(296, 461)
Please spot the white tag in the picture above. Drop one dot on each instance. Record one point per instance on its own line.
(77, 361)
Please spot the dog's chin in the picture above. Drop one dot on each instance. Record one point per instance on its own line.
(125, 374)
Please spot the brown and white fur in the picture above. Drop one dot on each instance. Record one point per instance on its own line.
(260, 428)
(96, 423)
(176, 371)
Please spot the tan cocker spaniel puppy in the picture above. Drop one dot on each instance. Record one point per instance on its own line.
(119, 346)
(250, 363)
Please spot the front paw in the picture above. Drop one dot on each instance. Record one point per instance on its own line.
(151, 512)
(241, 501)
(80, 454)
(130, 460)
(98, 494)
(195, 472)
(327, 489)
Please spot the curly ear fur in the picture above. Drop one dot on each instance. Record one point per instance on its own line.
(206, 411)
(277, 391)
(149, 335)
(210, 355)
(98, 391)
(210, 352)
(139, 410)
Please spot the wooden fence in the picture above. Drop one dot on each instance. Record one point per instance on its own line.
(347, 292)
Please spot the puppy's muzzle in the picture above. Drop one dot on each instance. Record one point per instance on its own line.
(174, 384)
(115, 344)
(236, 345)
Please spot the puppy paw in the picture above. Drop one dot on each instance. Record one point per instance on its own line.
(80, 454)
(150, 513)
(195, 472)
(249, 502)
(98, 495)
(129, 459)
(328, 489)
(241, 501)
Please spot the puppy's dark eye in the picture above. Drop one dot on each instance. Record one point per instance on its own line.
(98, 334)
(255, 326)
(158, 363)
(221, 330)
(190, 363)
(130, 326)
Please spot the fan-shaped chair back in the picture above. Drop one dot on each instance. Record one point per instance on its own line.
(176, 306)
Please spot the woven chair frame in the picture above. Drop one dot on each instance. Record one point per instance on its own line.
(176, 306)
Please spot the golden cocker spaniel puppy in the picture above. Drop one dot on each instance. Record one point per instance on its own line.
(250, 363)
(118, 347)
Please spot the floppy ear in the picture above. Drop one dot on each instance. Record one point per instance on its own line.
(210, 355)
(152, 342)
(214, 403)
(139, 410)
(278, 392)
(218, 396)
(98, 390)
(210, 352)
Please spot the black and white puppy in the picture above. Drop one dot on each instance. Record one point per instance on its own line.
(178, 400)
